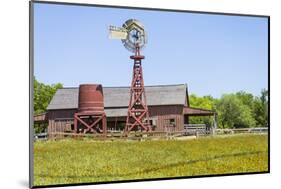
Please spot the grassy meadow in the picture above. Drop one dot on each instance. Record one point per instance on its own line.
(79, 161)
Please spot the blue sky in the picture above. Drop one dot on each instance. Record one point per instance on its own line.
(213, 54)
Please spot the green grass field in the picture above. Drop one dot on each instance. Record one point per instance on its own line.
(76, 161)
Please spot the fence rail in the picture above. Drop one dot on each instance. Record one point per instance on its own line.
(194, 129)
(115, 135)
(243, 130)
(41, 136)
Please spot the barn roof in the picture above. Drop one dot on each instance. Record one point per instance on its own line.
(67, 98)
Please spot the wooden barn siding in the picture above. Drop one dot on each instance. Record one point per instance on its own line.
(165, 110)
(60, 120)
(163, 114)
(163, 121)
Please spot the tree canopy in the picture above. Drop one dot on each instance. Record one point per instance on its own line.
(236, 110)
(43, 94)
(205, 102)
(234, 113)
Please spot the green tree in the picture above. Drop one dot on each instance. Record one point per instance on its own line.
(205, 102)
(43, 94)
(264, 100)
(233, 113)
(261, 109)
(246, 98)
(240, 109)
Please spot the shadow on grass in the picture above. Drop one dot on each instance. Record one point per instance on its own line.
(188, 162)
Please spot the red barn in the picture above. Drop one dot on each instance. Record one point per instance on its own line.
(168, 107)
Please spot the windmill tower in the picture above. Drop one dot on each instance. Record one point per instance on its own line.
(133, 37)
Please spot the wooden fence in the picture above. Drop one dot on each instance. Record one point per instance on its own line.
(189, 130)
(243, 130)
(196, 129)
(41, 136)
(118, 135)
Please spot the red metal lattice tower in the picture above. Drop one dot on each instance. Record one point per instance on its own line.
(137, 118)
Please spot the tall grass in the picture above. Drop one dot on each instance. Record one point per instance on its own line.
(76, 161)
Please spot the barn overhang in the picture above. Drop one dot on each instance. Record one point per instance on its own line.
(40, 118)
(189, 111)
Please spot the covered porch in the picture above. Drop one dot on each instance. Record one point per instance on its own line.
(189, 112)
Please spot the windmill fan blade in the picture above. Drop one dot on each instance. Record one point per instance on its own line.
(117, 33)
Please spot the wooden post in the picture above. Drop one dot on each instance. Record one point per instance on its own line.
(214, 127)
(104, 127)
(197, 134)
(75, 126)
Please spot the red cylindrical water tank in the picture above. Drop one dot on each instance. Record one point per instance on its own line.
(90, 98)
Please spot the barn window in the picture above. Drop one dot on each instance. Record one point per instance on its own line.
(172, 121)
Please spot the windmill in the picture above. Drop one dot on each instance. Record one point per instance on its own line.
(133, 37)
